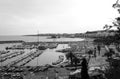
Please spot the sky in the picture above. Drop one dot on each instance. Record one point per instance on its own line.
(21, 17)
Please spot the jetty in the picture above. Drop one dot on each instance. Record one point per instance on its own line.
(11, 41)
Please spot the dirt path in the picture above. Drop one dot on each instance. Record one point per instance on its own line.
(99, 60)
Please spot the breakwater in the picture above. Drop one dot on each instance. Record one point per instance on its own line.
(59, 42)
(11, 41)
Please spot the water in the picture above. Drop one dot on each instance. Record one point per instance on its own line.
(24, 38)
(35, 38)
(47, 57)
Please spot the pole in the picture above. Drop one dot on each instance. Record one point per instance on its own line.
(84, 43)
(38, 37)
(38, 45)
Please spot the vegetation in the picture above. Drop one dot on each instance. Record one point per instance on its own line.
(73, 59)
(116, 38)
(104, 40)
(113, 72)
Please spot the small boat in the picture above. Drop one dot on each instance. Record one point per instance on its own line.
(61, 58)
(64, 50)
(42, 47)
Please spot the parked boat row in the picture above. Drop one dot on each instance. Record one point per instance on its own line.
(11, 55)
(25, 57)
(60, 59)
(4, 52)
(27, 60)
(29, 46)
(20, 47)
(20, 59)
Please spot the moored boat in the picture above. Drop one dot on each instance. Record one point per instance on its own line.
(61, 58)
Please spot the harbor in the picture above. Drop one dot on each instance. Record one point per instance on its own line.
(21, 54)
(59, 39)
(39, 59)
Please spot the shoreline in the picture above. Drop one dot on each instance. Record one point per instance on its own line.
(11, 41)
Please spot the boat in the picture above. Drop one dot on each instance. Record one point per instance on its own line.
(64, 50)
(42, 47)
(61, 58)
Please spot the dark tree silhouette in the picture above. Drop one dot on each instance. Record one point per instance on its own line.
(76, 61)
(70, 56)
(73, 59)
(116, 38)
(113, 71)
(110, 53)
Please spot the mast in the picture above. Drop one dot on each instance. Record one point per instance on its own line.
(85, 42)
(38, 45)
(38, 37)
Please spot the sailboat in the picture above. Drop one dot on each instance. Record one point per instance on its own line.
(40, 47)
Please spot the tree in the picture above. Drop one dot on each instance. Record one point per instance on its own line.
(73, 59)
(70, 56)
(110, 53)
(113, 72)
(116, 24)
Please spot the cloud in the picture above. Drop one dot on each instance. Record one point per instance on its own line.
(28, 16)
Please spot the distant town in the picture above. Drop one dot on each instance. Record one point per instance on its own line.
(89, 34)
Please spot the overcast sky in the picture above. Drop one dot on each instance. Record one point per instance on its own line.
(20, 17)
